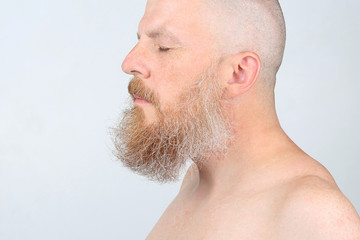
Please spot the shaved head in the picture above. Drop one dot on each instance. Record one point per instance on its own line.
(250, 25)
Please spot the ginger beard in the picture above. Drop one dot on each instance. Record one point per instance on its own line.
(195, 129)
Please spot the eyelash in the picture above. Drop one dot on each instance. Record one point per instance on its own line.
(163, 49)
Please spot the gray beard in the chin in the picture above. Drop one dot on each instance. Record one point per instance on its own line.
(196, 130)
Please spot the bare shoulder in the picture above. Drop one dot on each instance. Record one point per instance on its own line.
(315, 208)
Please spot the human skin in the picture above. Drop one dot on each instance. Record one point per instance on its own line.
(264, 187)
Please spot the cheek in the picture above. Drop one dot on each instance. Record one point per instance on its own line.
(170, 83)
(169, 92)
(176, 73)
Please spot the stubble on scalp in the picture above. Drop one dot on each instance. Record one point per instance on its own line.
(196, 129)
(250, 25)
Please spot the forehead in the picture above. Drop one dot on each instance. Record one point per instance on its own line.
(185, 19)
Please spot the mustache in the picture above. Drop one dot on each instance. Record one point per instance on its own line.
(137, 88)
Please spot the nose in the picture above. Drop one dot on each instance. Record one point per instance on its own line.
(135, 63)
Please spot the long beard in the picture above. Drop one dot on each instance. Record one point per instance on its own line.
(196, 130)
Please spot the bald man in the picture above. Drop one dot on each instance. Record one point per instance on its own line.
(203, 83)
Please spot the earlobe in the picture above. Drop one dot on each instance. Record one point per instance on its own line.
(245, 70)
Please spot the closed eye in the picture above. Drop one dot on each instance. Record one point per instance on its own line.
(163, 49)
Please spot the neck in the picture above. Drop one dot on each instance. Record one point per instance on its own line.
(257, 144)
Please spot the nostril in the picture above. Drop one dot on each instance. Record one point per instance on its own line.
(134, 72)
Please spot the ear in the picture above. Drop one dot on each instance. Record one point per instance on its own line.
(242, 73)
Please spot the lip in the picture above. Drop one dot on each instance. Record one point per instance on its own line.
(139, 100)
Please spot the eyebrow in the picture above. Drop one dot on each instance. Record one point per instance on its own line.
(161, 32)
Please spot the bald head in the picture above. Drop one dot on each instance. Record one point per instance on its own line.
(250, 25)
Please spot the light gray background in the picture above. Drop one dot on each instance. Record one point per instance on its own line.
(61, 88)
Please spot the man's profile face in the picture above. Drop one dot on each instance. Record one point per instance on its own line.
(177, 112)
(173, 50)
